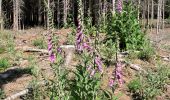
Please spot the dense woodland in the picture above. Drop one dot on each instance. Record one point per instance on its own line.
(20, 14)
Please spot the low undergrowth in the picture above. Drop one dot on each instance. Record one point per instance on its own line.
(40, 43)
(147, 87)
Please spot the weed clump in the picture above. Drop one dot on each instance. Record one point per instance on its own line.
(4, 63)
(2, 49)
(40, 43)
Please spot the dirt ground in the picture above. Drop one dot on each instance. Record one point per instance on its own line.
(24, 39)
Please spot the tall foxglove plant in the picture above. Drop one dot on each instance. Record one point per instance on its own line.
(118, 66)
(50, 50)
(119, 6)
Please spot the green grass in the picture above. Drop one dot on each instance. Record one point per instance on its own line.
(4, 63)
(2, 95)
(150, 85)
(134, 85)
(2, 49)
(166, 47)
(40, 43)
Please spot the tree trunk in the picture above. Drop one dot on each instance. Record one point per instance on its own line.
(15, 20)
(148, 13)
(152, 15)
(138, 9)
(158, 17)
(39, 12)
(48, 19)
(104, 11)
(65, 12)
(1, 18)
(113, 6)
(163, 14)
(58, 13)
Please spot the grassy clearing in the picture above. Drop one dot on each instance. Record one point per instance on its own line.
(150, 85)
(40, 43)
(4, 63)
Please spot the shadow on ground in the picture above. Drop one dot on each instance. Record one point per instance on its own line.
(12, 74)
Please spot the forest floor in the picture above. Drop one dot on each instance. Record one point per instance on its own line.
(20, 75)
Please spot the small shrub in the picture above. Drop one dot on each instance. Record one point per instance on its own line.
(147, 52)
(2, 95)
(4, 63)
(71, 38)
(36, 92)
(135, 85)
(151, 85)
(84, 87)
(33, 66)
(40, 43)
(2, 49)
(133, 55)
(108, 52)
(166, 47)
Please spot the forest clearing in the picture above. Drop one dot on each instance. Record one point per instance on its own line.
(85, 50)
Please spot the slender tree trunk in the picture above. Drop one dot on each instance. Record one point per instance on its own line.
(90, 8)
(158, 17)
(163, 14)
(113, 6)
(148, 10)
(104, 11)
(152, 15)
(16, 14)
(39, 12)
(160, 20)
(48, 19)
(138, 9)
(19, 16)
(65, 12)
(1, 18)
(58, 13)
(144, 13)
(45, 18)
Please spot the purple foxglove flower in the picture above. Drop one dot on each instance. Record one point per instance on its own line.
(111, 82)
(119, 6)
(50, 46)
(89, 68)
(52, 57)
(118, 72)
(79, 38)
(92, 73)
(99, 64)
(87, 47)
(59, 50)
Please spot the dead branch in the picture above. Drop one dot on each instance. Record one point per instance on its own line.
(23, 92)
(13, 97)
(35, 50)
(136, 67)
(29, 49)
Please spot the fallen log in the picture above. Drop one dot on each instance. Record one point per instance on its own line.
(29, 49)
(136, 67)
(35, 50)
(23, 92)
(165, 58)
